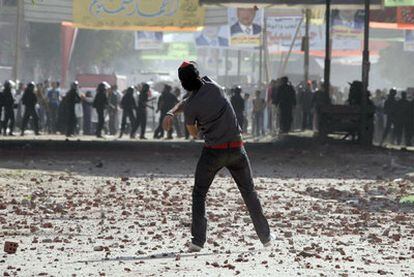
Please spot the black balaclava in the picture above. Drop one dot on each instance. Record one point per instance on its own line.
(145, 87)
(189, 77)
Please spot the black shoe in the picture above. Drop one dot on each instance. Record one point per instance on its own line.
(194, 248)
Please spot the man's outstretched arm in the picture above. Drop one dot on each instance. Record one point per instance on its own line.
(168, 119)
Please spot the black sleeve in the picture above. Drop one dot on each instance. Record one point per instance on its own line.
(34, 98)
(77, 98)
(189, 115)
(293, 96)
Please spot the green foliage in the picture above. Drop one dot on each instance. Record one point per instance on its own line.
(94, 47)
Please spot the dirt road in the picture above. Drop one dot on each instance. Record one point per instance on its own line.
(334, 208)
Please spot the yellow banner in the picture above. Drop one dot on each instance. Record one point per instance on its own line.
(178, 15)
(398, 3)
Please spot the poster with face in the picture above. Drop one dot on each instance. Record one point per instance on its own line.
(212, 36)
(148, 40)
(245, 26)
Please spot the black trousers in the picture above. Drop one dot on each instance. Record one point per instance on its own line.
(285, 119)
(71, 123)
(240, 120)
(306, 120)
(403, 127)
(159, 132)
(101, 121)
(390, 123)
(8, 120)
(127, 113)
(237, 162)
(30, 112)
(141, 123)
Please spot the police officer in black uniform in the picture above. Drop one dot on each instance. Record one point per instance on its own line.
(128, 106)
(286, 100)
(166, 102)
(72, 98)
(390, 111)
(29, 100)
(237, 102)
(142, 110)
(403, 120)
(8, 105)
(99, 103)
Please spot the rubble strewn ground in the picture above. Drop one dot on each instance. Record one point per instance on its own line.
(334, 208)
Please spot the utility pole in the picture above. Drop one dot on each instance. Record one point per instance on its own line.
(261, 64)
(238, 65)
(327, 72)
(306, 45)
(226, 67)
(17, 50)
(366, 137)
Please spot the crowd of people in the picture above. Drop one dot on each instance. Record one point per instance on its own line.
(394, 117)
(287, 108)
(277, 110)
(46, 109)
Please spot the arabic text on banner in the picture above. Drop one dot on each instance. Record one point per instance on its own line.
(396, 3)
(130, 14)
(281, 31)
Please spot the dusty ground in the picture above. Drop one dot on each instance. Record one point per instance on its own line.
(334, 208)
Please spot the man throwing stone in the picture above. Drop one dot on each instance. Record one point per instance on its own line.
(208, 111)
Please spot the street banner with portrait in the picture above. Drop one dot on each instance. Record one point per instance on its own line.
(246, 27)
(281, 32)
(145, 40)
(138, 14)
(398, 3)
(408, 40)
(212, 36)
(347, 29)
